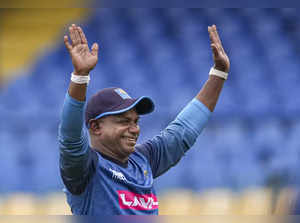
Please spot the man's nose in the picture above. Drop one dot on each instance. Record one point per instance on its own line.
(134, 128)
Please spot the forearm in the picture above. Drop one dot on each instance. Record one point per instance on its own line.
(210, 92)
(71, 125)
(73, 140)
(75, 158)
(166, 149)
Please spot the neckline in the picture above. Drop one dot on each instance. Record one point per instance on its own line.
(124, 165)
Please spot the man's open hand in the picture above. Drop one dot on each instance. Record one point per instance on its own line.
(220, 57)
(83, 59)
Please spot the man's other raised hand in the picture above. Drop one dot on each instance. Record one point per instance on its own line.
(83, 59)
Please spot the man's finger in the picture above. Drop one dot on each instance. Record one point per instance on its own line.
(214, 50)
(82, 36)
(217, 37)
(212, 35)
(77, 35)
(77, 39)
(95, 49)
(67, 44)
(208, 29)
(217, 34)
(72, 35)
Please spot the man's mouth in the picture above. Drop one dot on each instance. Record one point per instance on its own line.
(131, 139)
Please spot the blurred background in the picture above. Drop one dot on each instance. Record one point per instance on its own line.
(246, 161)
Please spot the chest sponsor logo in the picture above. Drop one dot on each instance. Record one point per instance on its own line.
(129, 200)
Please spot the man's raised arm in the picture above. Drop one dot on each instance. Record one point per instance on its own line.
(166, 149)
(75, 156)
(210, 92)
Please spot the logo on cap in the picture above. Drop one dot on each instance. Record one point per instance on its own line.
(122, 93)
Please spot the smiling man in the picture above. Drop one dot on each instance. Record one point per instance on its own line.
(112, 174)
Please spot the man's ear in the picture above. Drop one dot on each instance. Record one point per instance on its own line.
(96, 127)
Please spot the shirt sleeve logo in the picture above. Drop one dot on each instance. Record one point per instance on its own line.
(129, 200)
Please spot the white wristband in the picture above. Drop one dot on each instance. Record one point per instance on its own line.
(78, 79)
(218, 73)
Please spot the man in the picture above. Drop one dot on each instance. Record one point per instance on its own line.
(113, 175)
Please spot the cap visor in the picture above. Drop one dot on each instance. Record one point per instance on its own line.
(143, 105)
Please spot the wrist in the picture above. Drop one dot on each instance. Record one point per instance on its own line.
(221, 68)
(219, 73)
(81, 73)
(80, 79)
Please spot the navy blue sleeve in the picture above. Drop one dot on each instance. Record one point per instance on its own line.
(77, 160)
(166, 149)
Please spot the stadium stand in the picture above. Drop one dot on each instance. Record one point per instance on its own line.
(251, 201)
(251, 140)
(28, 33)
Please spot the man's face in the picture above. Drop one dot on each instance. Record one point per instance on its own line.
(119, 133)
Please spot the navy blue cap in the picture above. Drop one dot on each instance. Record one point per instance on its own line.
(112, 101)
